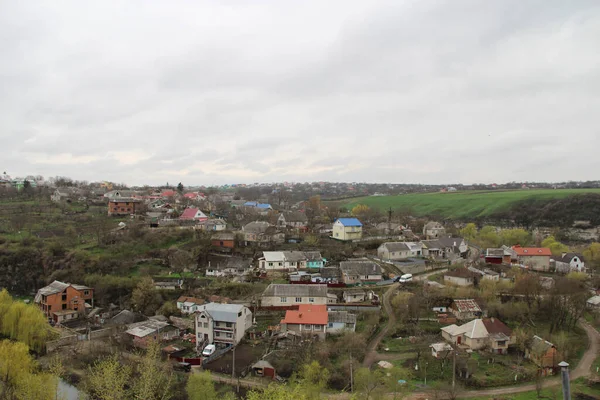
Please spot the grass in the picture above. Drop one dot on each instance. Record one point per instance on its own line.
(577, 386)
(468, 204)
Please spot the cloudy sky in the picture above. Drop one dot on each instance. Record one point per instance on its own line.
(231, 91)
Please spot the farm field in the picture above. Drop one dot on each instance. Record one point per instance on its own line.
(469, 204)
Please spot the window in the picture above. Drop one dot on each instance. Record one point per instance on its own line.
(317, 327)
(64, 297)
(270, 264)
(217, 333)
(64, 306)
(86, 292)
(229, 335)
(330, 325)
(311, 299)
(49, 308)
(240, 314)
(283, 299)
(307, 327)
(228, 324)
(502, 343)
(205, 324)
(298, 299)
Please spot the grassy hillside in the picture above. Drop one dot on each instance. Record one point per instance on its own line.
(459, 205)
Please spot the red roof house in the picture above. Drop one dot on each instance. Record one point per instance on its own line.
(168, 193)
(193, 214)
(535, 258)
(309, 319)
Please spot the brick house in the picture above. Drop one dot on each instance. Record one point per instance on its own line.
(309, 319)
(123, 206)
(61, 301)
(536, 258)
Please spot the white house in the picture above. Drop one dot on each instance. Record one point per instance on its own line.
(360, 271)
(569, 262)
(188, 305)
(347, 229)
(433, 230)
(282, 260)
(287, 295)
(222, 323)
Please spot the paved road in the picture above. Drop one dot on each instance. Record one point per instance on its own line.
(424, 277)
(371, 354)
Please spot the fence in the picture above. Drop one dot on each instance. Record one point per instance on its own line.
(72, 339)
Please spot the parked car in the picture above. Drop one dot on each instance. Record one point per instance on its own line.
(405, 278)
(209, 350)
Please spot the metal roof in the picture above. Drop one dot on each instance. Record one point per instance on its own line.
(222, 312)
(278, 290)
(349, 221)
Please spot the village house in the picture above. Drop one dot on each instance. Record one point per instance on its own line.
(543, 354)
(464, 309)
(570, 262)
(65, 194)
(314, 260)
(490, 333)
(212, 224)
(121, 193)
(593, 302)
(155, 329)
(360, 271)
(289, 295)
(461, 277)
(433, 230)
(292, 219)
(535, 258)
(193, 214)
(340, 322)
(261, 208)
(390, 228)
(222, 323)
(282, 261)
(309, 319)
(168, 283)
(393, 251)
(188, 305)
(354, 296)
(62, 302)
(123, 206)
(347, 229)
(485, 273)
(225, 241)
(262, 233)
(219, 266)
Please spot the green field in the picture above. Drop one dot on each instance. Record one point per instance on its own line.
(469, 204)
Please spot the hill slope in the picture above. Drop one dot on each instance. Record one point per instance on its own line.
(464, 205)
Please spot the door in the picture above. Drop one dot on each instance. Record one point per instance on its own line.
(458, 340)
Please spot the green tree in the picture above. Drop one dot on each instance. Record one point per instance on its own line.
(155, 378)
(180, 187)
(200, 386)
(512, 237)
(370, 385)
(556, 247)
(108, 379)
(469, 232)
(313, 379)
(278, 392)
(488, 237)
(592, 255)
(145, 298)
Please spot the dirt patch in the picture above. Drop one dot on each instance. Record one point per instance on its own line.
(245, 356)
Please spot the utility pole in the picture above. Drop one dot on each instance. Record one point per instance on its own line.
(389, 213)
(351, 374)
(566, 385)
(453, 369)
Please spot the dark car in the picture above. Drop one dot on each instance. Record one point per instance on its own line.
(183, 367)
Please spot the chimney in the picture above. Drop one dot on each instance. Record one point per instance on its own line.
(300, 315)
(492, 319)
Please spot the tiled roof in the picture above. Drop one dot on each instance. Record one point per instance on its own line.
(349, 221)
(395, 246)
(494, 325)
(186, 299)
(307, 314)
(360, 267)
(189, 213)
(532, 251)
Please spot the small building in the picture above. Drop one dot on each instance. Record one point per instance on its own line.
(289, 295)
(354, 296)
(309, 319)
(347, 229)
(497, 256)
(188, 305)
(440, 350)
(220, 266)
(460, 277)
(123, 206)
(360, 271)
(282, 260)
(292, 219)
(59, 297)
(535, 258)
(391, 251)
(593, 302)
(433, 230)
(485, 273)
(340, 322)
(65, 194)
(223, 240)
(264, 368)
(222, 323)
(390, 228)
(168, 284)
(543, 354)
(490, 333)
(262, 233)
(314, 260)
(153, 329)
(212, 224)
(465, 309)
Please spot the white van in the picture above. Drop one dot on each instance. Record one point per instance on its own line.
(405, 278)
(209, 350)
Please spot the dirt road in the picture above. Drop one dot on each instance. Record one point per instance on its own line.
(371, 354)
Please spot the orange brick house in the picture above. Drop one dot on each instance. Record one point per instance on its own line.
(543, 354)
(64, 301)
(123, 206)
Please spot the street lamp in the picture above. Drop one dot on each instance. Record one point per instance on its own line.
(566, 385)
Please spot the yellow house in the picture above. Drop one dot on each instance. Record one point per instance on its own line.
(347, 229)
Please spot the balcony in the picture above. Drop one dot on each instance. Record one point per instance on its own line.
(223, 329)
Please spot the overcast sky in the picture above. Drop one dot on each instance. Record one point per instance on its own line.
(232, 91)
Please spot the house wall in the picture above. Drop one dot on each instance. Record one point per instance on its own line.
(491, 277)
(448, 337)
(223, 243)
(536, 263)
(342, 232)
(475, 344)
(314, 264)
(276, 301)
(354, 298)
(458, 280)
(55, 302)
(339, 327)
(122, 207)
(306, 329)
(385, 254)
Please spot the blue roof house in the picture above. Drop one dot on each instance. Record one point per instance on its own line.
(347, 229)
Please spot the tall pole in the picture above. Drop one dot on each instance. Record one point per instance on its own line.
(453, 369)
(566, 385)
(351, 374)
